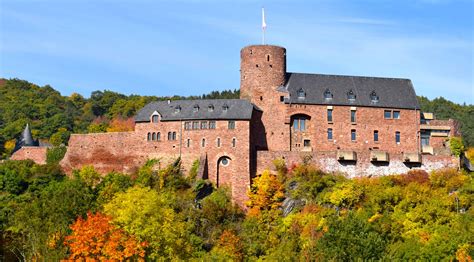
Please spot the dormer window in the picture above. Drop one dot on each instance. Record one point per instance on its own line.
(351, 96)
(177, 109)
(225, 107)
(301, 94)
(155, 117)
(210, 108)
(327, 94)
(373, 97)
(196, 108)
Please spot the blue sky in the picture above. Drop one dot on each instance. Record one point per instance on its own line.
(191, 47)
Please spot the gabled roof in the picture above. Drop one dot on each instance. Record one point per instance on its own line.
(391, 92)
(215, 109)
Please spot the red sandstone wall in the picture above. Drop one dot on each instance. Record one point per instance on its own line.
(363, 167)
(37, 154)
(368, 119)
(125, 152)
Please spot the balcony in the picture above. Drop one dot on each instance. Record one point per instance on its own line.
(345, 155)
(411, 158)
(379, 156)
(427, 149)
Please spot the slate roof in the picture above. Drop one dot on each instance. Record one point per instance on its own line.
(391, 92)
(237, 109)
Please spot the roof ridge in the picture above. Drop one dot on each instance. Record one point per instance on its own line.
(333, 75)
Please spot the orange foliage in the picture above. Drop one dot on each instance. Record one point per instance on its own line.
(266, 193)
(413, 176)
(231, 245)
(121, 125)
(96, 239)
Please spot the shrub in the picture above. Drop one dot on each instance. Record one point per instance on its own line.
(55, 154)
(456, 145)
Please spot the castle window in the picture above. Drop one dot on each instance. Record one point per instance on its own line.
(396, 114)
(218, 142)
(154, 119)
(301, 94)
(187, 125)
(196, 125)
(177, 109)
(329, 133)
(329, 115)
(225, 107)
(353, 116)
(203, 142)
(158, 136)
(376, 136)
(299, 123)
(261, 98)
(148, 137)
(174, 135)
(233, 142)
(268, 58)
(387, 114)
(204, 125)
(170, 136)
(373, 97)
(212, 124)
(327, 95)
(225, 161)
(188, 143)
(282, 99)
(397, 137)
(210, 108)
(153, 136)
(195, 108)
(353, 135)
(351, 96)
(231, 124)
(306, 143)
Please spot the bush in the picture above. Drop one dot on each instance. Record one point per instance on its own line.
(55, 154)
(456, 145)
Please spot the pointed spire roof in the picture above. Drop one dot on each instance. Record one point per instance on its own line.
(26, 137)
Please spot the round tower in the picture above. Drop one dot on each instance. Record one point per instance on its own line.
(262, 70)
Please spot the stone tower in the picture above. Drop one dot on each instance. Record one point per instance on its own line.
(262, 73)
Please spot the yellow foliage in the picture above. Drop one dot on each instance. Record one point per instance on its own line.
(266, 193)
(9, 146)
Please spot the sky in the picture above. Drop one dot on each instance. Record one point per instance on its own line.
(191, 47)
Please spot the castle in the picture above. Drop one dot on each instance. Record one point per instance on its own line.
(352, 124)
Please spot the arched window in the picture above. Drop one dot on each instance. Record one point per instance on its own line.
(233, 142)
(225, 107)
(158, 136)
(210, 108)
(170, 136)
(300, 122)
(327, 94)
(148, 137)
(174, 135)
(154, 118)
(153, 137)
(301, 93)
(196, 108)
(188, 143)
(218, 142)
(351, 95)
(373, 97)
(203, 142)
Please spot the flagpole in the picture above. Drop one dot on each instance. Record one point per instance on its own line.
(264, 25)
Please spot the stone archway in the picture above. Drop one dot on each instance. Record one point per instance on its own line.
(224, 171)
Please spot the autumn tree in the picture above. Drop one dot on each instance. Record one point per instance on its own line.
(266, 193)
(95, 238)
(119, 124)
(148, 215)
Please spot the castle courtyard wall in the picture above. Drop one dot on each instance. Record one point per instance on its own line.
(37, 154)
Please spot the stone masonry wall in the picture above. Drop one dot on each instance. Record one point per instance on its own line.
(327, 162)
(37, 154)
(126, 151)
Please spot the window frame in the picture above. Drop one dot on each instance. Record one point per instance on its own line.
(385, 114)
(398, 137)
(353, 116)
(330, 134)
(376, 136)
(231, 124)
(353, 135)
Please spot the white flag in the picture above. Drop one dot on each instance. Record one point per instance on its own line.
(264, 25)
